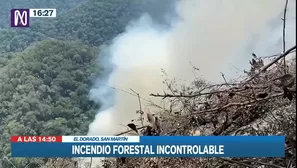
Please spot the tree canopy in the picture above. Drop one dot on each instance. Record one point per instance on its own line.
(44, 90)
(47, 70)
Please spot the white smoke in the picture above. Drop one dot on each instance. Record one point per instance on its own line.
(138, 56)
(211, 35)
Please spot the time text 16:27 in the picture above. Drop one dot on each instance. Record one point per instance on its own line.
(43, 12)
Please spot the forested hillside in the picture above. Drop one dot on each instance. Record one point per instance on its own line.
(44, 90)
(95, 22)
(46, 71)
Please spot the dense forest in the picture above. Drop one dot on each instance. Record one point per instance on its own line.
(47, 70)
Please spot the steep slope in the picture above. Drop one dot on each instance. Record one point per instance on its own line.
(94, 23)
(46, 71)
(98, 21)
(44, 91)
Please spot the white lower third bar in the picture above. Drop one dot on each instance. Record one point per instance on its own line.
(43, 12)
(101, 139)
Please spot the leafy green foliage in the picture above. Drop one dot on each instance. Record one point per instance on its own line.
(16, 41)
(98, 21)
(94, 23)
(46, 71)
(43, 91)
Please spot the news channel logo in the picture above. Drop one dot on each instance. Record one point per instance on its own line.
(21, 17)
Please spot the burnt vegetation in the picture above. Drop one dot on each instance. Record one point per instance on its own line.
(262, 103)
(46, 72)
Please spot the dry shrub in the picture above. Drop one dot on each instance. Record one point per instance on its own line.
(262, 103)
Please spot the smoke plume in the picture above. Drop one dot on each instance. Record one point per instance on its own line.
(210, 35)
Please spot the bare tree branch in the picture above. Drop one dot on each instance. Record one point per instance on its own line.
(125, 132)
(91, 162)
(284, 34)
(238, 104)
(223, 75)
(206, 93)
(272, 62)
(140, 109)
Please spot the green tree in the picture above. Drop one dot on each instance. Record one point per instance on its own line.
(44, 91)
